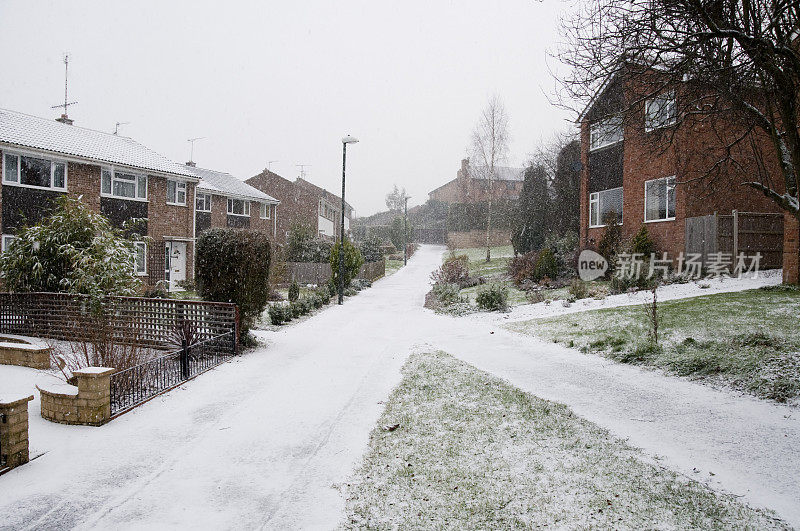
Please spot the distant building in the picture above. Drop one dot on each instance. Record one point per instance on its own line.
(303, 203)
(472, 185)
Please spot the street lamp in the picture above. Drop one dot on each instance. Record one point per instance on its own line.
(346, 140)
(405, 232)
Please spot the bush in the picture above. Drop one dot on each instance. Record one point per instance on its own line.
(233, 266)
(447, 294)
(566, 250)
(352, 262)
(73, 250)
(396, 232)
(323, 295)
(546, 266)
(455, 269)
(578, 289)
(643, 243)
(294, 291)
(493, 297)
(611, 242)
(304, 245)
(371, 249)
(296, 308)
(277, 314)
(521, 268)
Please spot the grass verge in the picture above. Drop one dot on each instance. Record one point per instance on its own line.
(748, 340)
(473, 452)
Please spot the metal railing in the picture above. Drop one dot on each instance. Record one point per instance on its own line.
(133, 386)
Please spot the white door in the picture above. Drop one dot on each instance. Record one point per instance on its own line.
(175, 264)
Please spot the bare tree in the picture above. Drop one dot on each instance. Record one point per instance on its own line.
(734, 64)
(490, 147)
(395, 200)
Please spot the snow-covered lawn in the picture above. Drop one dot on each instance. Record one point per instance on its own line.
(747, 339)
(457, 448)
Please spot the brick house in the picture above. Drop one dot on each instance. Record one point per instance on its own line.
(222, 200)
(650, 166)
(116, 176)
(303, 203)
(471, 185)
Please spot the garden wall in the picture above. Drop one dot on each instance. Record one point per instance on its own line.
(24, 351)
(88, 404)
(13, 431)
(477, 238)
(314, 273)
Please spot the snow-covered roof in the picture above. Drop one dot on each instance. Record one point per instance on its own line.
(24, 130)
(226, 184)
(501, 173)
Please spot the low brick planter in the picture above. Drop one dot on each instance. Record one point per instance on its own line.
(13, 431)
(88, 403)
(24, 351)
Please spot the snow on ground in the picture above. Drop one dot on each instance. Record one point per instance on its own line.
(259, 442)
(697, 288)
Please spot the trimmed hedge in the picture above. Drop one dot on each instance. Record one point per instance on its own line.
(232, 265)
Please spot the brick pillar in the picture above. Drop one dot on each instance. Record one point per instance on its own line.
(791, 249)
(14, 431)
(94, 395)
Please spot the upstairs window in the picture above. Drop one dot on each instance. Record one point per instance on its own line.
(34, 172)
(659, 199)
(605, 133)
(176, 192)
(265, 210)
(123, 185)
(660, 111)
(601, 203)
(203, 203)
(238, 207)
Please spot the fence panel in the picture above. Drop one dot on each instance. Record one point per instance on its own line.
(738, 232)
(372, 270)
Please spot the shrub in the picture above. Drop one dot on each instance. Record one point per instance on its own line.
(277, 314)
(447, 294)
(566, 250)
(626, 284)
(296, 308)
(521, 268)
(73, 250)
(371, 249)
(546, 266)
(643, 243)
(455, 269)
(304, 245)
(306, 305)
(323, 294)
(493, 297)
(332, 290)
(352, 262)
(578, 289)
(233, 266)
(294, 291)
(611, 242)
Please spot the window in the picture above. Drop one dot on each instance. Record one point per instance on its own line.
(8, 239)
(265, 210)
(660, 111)
(176, 192)
(203, 203)
(140, 260)
(659, 199)
(238, 207)
(605, 133)
(34, 172)
(601, 203)
(123, 185)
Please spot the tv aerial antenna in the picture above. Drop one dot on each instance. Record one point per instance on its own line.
(116, 126)
(66, 103)
(191, 149)
(303, 169)
(269, 164)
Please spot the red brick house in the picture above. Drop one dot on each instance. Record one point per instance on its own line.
(222, 200)
(650, 166)
(303, 203)
(116, 176)
(471, 185)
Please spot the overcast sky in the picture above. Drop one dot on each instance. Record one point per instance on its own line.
(284, 81)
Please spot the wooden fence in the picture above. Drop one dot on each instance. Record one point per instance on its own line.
(131, 320)
(739, 232)
(313, 273)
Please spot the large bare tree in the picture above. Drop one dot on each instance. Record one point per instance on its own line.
(731, 61)
(396, 199)
(489, 149)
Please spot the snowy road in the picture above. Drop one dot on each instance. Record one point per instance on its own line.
(260, 442)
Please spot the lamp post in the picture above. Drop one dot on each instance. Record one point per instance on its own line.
(405, 232)
(346, 140)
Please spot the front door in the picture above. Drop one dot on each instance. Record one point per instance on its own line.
(174, 264)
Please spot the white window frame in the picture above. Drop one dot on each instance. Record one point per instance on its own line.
(265, 211)
(245, 208)
(650, 122)
(180, 186)
(138, 178)
(7, 239)
(596, 143)
(206, 202)
(594, 199)
(143, 247)
(669, 186)
(53, 163)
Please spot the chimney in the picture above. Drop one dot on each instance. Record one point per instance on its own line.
(191, 163)
(65, 120)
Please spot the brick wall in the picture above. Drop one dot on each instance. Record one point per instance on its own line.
(170, 221)
(83, 180)
(298, 204)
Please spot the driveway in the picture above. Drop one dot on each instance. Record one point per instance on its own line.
(263, 441)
